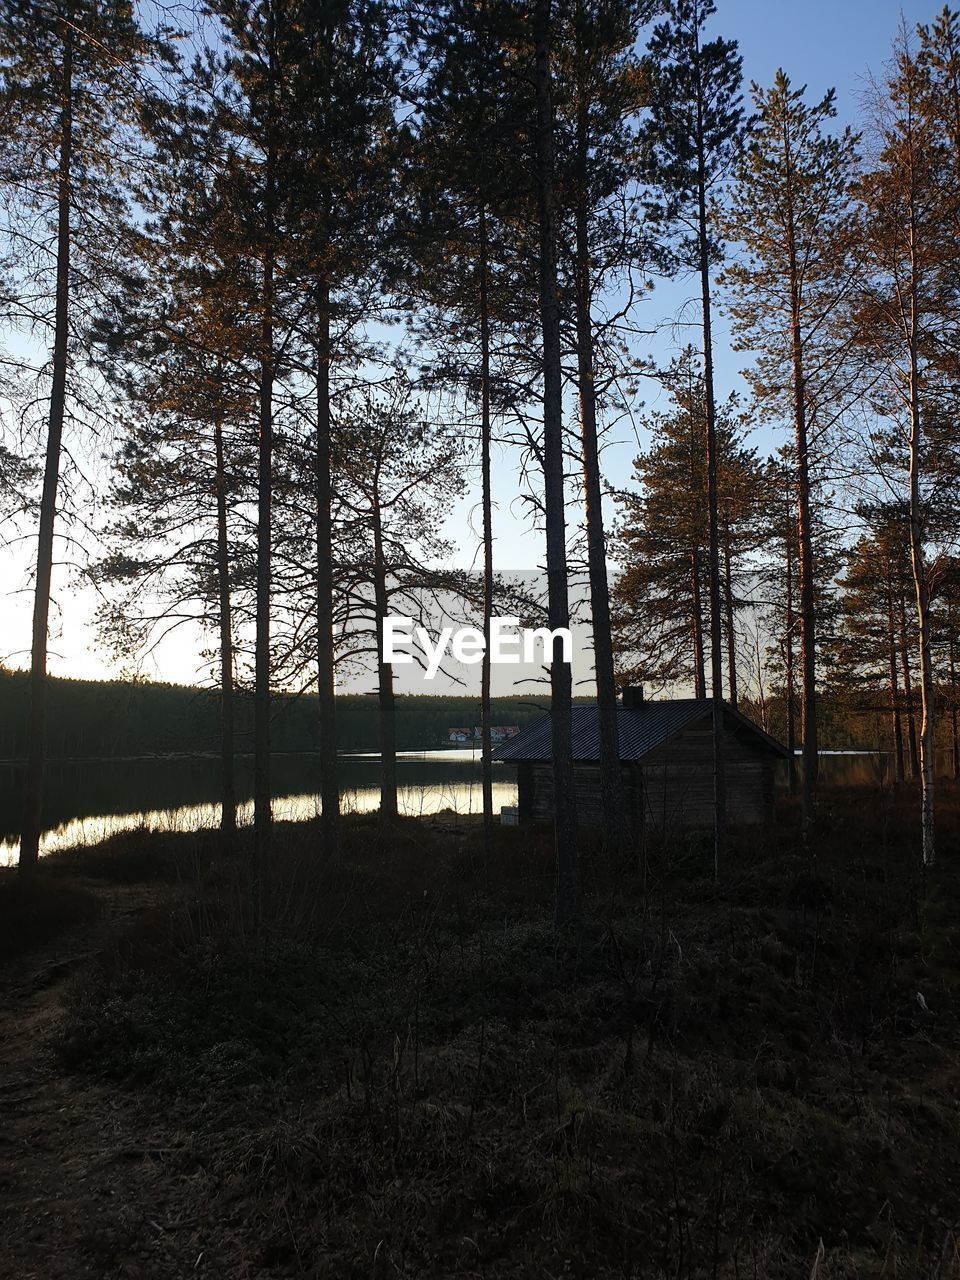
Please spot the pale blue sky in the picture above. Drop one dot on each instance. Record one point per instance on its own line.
(822, 43)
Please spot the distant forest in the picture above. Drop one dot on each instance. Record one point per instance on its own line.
(118, 718)
(121, 718)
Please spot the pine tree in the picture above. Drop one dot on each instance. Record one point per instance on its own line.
(873, 647)
(938, 57)
(400, 474)
(72, 99)
(176, 347)
(461, 184)
(664, 537)
(694, 131)
(340, 113)
(775, 593)
(250, 202)
(907, 311)
(181, 472)
(601, 87)
(793, 214)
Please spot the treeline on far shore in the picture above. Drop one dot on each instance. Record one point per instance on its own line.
(88, 718)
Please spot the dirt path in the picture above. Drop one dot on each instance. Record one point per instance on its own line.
(85, 1189)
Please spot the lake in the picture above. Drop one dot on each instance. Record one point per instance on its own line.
(87, 800)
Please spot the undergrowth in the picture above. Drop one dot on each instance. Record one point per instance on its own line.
(410, 1074)
(31, 915)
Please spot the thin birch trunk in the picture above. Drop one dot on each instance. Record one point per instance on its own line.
(716, 639)
(326, 658)
(808, 656)
(908, 692)
(228, 789)
(699, 672)
(790, 621)
(731, 633)
(918, 564)
(486, 744)
(386, 696)
(894, 689)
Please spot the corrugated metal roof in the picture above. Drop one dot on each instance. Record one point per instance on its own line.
(641, 729)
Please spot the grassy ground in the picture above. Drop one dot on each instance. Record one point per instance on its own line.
(412, 1075)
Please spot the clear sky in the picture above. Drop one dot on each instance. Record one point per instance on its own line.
(823, 43)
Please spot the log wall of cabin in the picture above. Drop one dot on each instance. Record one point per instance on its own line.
(678, 780)
(536, 793)
(672, 788)
(525, 791)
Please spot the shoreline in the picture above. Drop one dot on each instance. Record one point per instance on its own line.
(352, 753)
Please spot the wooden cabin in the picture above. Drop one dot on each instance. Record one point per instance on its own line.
(666, 755)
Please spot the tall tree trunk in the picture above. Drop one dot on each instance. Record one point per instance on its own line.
(326, 660)
(615, 836)
(33, 786)
(790, 622)
(808, 651)
(699, 672)
(486, 498)
(387, 700)
(731, 632)
(894, 691)
(228, 789)
(561, 686)
(696, 591)
(716, 638)
(808, 658)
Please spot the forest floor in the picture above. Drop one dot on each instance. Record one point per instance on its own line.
(410, 1074)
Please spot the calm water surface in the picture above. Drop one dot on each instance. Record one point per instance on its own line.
(86, 801)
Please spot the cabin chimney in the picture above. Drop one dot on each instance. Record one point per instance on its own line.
(633, 695)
